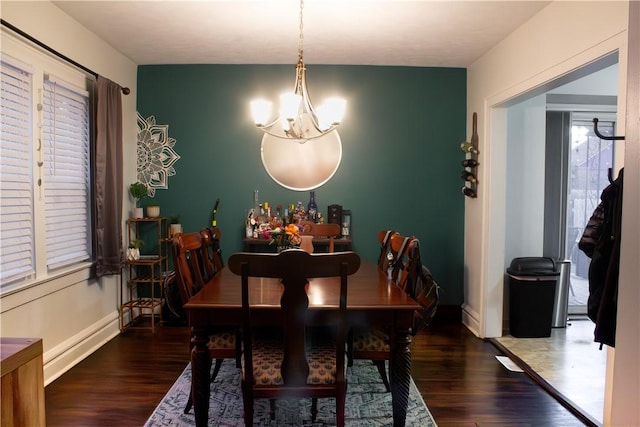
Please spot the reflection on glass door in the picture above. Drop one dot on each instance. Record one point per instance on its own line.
(590, 160)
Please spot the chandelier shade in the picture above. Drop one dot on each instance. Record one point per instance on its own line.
(297, 118)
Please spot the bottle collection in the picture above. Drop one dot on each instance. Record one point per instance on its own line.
(470, 163)
(262, 217)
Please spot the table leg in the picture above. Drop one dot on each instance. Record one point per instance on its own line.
(401, 376)
(200, 368)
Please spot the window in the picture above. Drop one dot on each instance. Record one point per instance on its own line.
(66, 173)
(45, 166)
(16, 202)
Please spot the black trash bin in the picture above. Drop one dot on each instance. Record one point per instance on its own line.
(532, 288)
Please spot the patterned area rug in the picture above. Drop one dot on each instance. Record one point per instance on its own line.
(368, 404)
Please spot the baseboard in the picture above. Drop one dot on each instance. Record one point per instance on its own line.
(470, 320)
(72, 351)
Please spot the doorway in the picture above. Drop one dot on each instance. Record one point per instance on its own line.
(555, 173)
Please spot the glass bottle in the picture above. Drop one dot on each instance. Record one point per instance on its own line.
(312, 207)
(277, 219)
(256, 204)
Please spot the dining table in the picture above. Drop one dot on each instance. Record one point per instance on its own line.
(372, 300)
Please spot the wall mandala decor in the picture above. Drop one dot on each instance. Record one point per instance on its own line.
(156, 155)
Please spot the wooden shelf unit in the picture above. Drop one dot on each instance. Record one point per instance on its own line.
(145, 276)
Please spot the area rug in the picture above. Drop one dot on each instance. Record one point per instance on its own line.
(368, 404)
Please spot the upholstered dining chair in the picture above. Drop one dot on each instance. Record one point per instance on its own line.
(297, 363)
(331, 231)
(188, 253)
(374, 343)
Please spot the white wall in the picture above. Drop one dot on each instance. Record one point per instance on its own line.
(623, 379)
(71, 313)
(525, 172)
(560, 39)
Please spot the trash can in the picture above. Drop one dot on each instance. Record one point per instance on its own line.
(561, 299)
(532, 288)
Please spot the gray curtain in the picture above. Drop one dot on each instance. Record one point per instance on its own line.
(109, 257)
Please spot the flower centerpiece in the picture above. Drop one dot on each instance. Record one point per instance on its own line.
(284, 238)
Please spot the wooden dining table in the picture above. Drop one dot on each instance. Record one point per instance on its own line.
(372, 300)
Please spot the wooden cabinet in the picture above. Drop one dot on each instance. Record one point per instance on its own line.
(22, 382)
(143, 297)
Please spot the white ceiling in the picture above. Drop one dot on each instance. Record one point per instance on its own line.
(356, 32)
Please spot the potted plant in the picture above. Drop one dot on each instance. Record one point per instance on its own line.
(133, 251)
(138, 191)
(174, 225)
(153, 210)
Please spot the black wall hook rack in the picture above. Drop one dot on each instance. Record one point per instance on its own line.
(599, 135)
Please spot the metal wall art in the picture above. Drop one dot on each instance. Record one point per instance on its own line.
(156, 155)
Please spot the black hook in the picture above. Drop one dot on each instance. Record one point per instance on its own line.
(599, 135)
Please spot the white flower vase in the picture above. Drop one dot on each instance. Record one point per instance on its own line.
(137, 213)
(133, 254)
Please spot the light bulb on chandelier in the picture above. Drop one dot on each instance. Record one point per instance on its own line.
(298, 120)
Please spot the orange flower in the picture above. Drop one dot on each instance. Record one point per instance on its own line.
(292, 230)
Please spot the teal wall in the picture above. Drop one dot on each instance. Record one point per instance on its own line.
(401, 158)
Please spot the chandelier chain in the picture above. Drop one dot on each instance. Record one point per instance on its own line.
(301, 38)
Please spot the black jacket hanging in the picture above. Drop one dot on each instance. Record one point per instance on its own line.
(601, 241)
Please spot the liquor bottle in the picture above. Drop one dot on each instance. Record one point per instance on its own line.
(470, 163)
(214, 222)
(468, 176)
(277, 219)
(266, 218)
(312, 207)
(260, 213)
(255, 208)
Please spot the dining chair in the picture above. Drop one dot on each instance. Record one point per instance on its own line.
(211, 253)
(188, 253)
(385, 257)
(295, 363)
(374, 343)
(309, 228)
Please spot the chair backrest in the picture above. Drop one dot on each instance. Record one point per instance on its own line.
(331, 231)
(187, 261)
(211, 252)
(294, 267)
(384, 258)
(402, 249)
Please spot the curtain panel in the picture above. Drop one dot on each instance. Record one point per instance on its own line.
(109, 256)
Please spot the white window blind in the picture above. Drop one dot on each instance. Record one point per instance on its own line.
(16, 184)
(66, 173)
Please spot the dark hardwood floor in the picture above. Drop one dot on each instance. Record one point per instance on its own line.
(458, 376)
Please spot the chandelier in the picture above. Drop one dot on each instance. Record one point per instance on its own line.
(298, 120)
